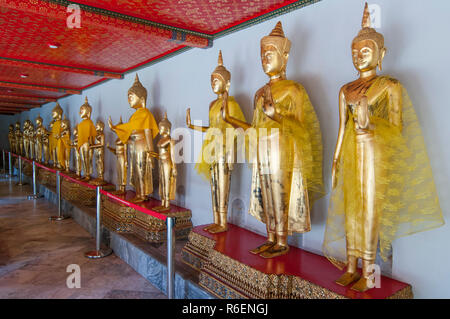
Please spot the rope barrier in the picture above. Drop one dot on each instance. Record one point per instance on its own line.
(134, 206)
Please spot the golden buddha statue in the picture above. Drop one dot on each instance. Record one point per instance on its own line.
(19, 139)
(39, 132)
(63, 145)
(382, 182)
(121, 164)
(55, 129)
(287, 175)
(31, 140)
(167, 166)
(99, 153)
(139, 133)
(86, 135)
(11, 138)
(219, 167)
(26, 138)
(45, 138)
(74, 145)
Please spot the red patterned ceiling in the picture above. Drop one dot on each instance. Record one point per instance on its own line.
(115, 36)
(206, 16)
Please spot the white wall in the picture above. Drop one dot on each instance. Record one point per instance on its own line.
(320, 59)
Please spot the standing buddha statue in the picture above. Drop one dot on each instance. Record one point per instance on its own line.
(167, 165)
(382, 182)
(19, 139)
(55, 129)
(121, 164)
(63, 145)
(11, 138)
(31, 140)
(39, 136)
(99, 153)
(287, 175)
(139, 133)
(218, 168)
(26, 138)
(86, 135)
(74, 145)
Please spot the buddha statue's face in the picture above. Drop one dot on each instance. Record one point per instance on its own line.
(64, 125)
(85, 113)
(75, 132)
(135, 101)
(99, 128)
(366, 55)
(56, 115)
(38, 122)
(164, 130)
(17, 126)
(273, 62)
(218, 84)
(11, 128)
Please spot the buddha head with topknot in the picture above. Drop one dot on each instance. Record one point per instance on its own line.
(221, 77)
(164, 126)
(137, 94)
(57, 112)
(85, 110)
(368, 49)
(275, 50)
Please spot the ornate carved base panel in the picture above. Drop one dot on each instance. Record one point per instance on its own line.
(79, 193)
(46, 178)
(229, 270)
(125, 219)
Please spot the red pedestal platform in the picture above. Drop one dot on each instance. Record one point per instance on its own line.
(229, 270)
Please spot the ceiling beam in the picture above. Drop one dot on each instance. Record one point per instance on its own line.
(61, 68)
(15, 96)
(21, 100)
(38, 87)
(18, 105)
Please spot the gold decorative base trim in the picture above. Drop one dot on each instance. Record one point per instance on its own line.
(124, 219)
(46, 178)
(154, 230)
(80, 194)
(196, 252)
(116, 216)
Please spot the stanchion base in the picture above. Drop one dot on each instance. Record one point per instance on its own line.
(94, 254)
(30, 197)
(58, 218)
(21, 184)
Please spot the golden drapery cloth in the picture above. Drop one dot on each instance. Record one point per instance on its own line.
(208, 154)
(86, 129)
(56, 130)
(62, 145)
(301, 151)
(405, 193)
(141, 119)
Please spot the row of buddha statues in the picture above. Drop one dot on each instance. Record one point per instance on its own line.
(382, 184)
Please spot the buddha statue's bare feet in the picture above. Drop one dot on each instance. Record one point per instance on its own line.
(347, 278)
(209, 227)
(218, 229)
(138, 199)
(262, 248)
(362, 285)
(275, 251)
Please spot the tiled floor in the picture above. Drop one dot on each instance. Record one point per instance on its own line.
(35, 253)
